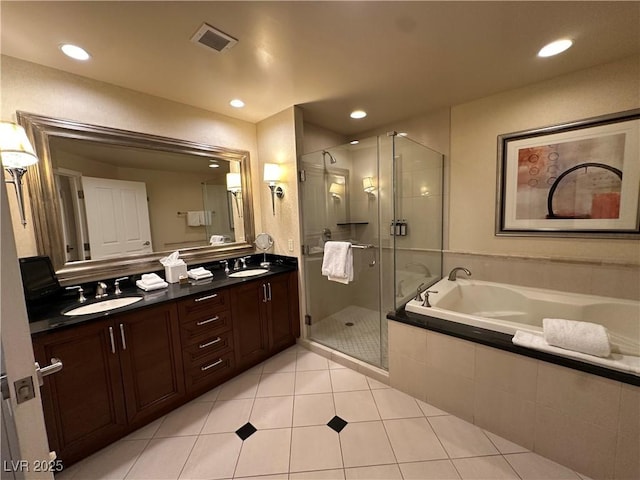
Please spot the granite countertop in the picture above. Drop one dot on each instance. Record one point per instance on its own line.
(50, 316)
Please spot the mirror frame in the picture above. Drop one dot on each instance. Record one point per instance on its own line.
(47, 223)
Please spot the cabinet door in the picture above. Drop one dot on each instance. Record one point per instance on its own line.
(83, 404)
(248, 310)
(151, 361)
(281, 321)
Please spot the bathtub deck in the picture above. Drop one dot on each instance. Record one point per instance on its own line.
(503, 341)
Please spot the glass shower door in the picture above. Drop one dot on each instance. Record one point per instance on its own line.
(336, 207)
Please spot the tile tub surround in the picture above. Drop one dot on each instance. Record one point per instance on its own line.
(583, 421)
(607, 279)
(353, 427)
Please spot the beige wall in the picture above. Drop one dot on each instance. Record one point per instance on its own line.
(277, 144)
(474, 128)
(45, 91)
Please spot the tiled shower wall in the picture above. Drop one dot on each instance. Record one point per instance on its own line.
(583, 421)
(587, 277)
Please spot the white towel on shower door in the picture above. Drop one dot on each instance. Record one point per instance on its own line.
(337, 263)
(585, 337)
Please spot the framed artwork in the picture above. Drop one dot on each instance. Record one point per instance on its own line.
(576, 179)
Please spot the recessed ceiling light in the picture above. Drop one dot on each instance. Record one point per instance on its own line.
(214, 164)
(74, 52)
(554, 48)
(402, 134)
(236, 103)
(354, 142)
(358, 114)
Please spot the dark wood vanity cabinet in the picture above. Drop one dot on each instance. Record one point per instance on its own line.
(117, 375)
(265, 317)
(207, 341)
(151, 361)
(120, 373)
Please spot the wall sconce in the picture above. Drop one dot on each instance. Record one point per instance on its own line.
(234, 187)
(272, 177)
(368, 185)
(336, 190)
(17, 154)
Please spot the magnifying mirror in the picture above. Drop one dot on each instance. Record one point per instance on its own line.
(264, 242)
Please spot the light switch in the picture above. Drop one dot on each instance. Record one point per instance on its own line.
(291, 244)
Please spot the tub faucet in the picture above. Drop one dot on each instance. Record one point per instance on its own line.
(419, 290)
(453, 273)
(425, 302)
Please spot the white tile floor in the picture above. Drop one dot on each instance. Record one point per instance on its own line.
(289, 399)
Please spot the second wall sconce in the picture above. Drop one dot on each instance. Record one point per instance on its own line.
(368, 185)
(234, 187)
(272, 176)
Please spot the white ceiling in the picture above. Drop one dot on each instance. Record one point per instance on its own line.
(393, 59)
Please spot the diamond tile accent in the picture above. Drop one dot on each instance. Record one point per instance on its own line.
(246, 431)
(337, 424)
(391, 435)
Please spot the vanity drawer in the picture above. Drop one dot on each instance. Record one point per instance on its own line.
(209, 372)
(204, 326)
(210, 346)
(201, 305)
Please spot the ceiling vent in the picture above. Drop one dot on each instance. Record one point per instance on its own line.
(211, 38)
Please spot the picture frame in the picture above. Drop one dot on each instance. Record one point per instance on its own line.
(578, 179)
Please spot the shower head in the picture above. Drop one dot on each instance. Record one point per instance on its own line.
(331, 159)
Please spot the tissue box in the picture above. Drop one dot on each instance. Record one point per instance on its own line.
(172, 273)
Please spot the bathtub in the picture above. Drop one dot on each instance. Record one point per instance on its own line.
(507, 308)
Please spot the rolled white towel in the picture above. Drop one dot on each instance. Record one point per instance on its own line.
(585, 337)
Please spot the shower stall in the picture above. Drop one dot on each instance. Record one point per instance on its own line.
(384, 196)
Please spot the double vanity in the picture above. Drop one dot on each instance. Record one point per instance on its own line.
(126, 366)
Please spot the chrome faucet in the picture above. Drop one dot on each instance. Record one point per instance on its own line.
(242, 260)
(101, 290)
(226, 266)
(116, 285)
(81, 297)
(453, 273)
(425, 302)
(419, 290)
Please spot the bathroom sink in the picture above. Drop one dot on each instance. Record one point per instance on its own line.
(248, 273)
(102, 306)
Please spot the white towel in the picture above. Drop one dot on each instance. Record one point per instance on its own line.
(199, 273)
(151, 278)
(151, 286)
(194, 219)
(623, 363)
(216, 239)
(205, 217)
(584, 337)
(337, 263)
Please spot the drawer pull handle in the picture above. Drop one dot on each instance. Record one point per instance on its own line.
(214, 364)
(204, 322)
(208, 297)
(124, 343)
(113, 344)
(208, 344)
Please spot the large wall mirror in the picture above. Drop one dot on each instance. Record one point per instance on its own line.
(108, 202)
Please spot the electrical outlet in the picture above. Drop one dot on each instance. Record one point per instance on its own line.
(291, 244)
